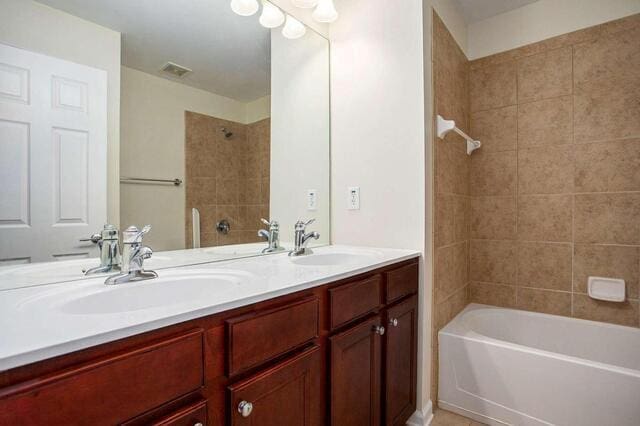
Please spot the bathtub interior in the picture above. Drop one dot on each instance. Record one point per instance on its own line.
(588, 340)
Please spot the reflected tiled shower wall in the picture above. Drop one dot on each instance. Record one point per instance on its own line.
(452, 200)
(555, 188)
(226, 177)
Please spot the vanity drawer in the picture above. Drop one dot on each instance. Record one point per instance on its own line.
(258, 337)
(354, 300)
(402, 282)
(111, 389)
(191, 415)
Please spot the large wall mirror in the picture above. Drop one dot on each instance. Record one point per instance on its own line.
(181, 115)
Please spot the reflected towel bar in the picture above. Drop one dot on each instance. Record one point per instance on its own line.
(176, 181)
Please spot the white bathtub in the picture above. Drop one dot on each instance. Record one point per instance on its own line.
(504, 366)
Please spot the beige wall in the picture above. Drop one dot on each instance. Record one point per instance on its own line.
(32, 26)
(556, 185)
(153, 135)
(541, 20)
(451, 201)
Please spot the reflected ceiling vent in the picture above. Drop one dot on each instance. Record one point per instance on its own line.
(175, 70)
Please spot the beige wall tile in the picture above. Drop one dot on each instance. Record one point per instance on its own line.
(606, 110)
(227, 191)
(545, 265)
(452, 219)
(608, 57)
(200, 192)
(452, 169)
(496, 128)
(606, 261)
(493, 261)
(451, 269)
(493, 294)
(493, 218)
(545, 218)
(545, 301)
(608, 166)
(625, 313)
(545, 75)
(607, 218)
(546, 170)
(546, 122)
(450, 307)
(493, 86)
(493, 173)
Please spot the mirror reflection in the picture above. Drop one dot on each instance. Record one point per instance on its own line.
(190, 118)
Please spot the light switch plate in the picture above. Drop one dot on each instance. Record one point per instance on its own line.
(312, 200)
(353, 202)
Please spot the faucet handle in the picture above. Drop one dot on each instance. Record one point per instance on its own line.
(301, 225)
(134, 235)
(94, 238)
(265, 221)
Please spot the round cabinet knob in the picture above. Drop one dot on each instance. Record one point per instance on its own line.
(245, 408)
(393, 322)
(378, 329)
(198, 424)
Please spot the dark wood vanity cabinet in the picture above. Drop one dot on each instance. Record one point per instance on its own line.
(311, 358)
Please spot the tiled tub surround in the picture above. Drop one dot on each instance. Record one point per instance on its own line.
(452, 200)
(226, 178)
(555, 189)
(507, 366)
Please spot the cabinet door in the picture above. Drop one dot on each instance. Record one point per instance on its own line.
(400, 362)
(355, 375)
(288, 394)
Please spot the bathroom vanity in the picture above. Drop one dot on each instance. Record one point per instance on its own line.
(329, 338)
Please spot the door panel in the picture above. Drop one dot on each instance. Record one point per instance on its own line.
(400, 362)
(53, 156)
(287, 394)
(355, 375)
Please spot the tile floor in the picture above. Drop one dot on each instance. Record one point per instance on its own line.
(447, 418)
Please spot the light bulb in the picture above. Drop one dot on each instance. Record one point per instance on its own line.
(245, 7)
(271, 17)
(325, 12)
(305, 4)
(293, 28)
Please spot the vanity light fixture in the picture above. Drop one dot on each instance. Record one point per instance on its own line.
(304, 4)
(271, 17)
(245, 7)
(293, 28)
(325, 12)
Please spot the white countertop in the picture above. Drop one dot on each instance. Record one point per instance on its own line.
(42, 322)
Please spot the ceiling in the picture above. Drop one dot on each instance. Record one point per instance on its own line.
(477, 10)
(229, 54)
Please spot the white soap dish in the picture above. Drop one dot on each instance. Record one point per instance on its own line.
(608, 289)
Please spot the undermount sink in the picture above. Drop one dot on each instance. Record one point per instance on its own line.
(171, 288)
(329, 259)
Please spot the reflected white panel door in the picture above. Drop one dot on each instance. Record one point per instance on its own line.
(53, 156)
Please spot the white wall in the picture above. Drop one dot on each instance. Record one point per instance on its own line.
(378, 135)
(300, 132)
(32, 26)
(152, 146)
(541, 20)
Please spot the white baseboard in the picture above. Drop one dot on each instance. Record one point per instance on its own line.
(422, 417)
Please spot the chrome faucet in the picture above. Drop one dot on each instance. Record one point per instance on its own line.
(301, 238)
(107, 241)
(272, 235)
(133, 256)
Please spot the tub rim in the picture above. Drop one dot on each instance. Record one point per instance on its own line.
(455, 329)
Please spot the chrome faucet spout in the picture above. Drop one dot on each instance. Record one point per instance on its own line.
(301, 238)
(133, 257)
(272, 236)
